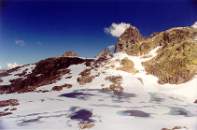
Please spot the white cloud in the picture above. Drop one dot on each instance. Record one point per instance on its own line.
(117, 29)
(12, 65)
(20, 42)
(111, 48)
(194, 25)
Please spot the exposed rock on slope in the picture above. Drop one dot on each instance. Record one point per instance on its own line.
(116, 84)
(127, 65)
(176, 128)
(10, 102)
(105, 53)
(59, 88)
(176, 61)
(103, 87)
(85, 77)
(46, 72)
(129, 41)
(70, 54)
(133, 43)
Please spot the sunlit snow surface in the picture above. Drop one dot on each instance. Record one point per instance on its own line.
(130, 110)
(14, 75)
(144, 105)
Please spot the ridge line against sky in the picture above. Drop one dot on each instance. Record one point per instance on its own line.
(30, 31)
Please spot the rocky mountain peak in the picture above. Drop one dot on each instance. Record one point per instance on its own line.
(176, 61)
(70, 54)
(128, 40)
(106, 53)
(76, 89)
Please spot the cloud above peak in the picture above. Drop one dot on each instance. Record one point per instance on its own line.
(12, 65)
(20, 42)
(117, 29)
(194, 25)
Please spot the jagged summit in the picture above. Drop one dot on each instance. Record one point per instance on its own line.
(175, 62)
(70, 54)
(107, 52)
(133, 43)
(128, 40)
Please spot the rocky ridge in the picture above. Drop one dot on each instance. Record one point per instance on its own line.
(80, 93)
(46, 72)
(176, 61)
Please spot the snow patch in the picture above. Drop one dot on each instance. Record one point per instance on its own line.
(14, 75)
(194, 25)
(12, 65)
(75, 70)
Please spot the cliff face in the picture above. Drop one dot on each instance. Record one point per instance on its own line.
(129, 41)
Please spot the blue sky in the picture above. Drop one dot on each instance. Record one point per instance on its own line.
(33, 30)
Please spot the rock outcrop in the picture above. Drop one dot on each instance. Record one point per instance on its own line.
(10, 102)
(105, 53)
(5, 113)
(127, 66)
(176, 61)
(85, 77)
(176, 128)
(129, 41)
(116, 84)
(70, 54)
(59, 88)
(46, 72)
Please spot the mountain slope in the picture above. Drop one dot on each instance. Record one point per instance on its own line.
(177, 59)
(147, 83)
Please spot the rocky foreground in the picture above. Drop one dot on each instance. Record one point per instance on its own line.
(144, 83)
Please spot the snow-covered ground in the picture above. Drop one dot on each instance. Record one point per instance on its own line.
(144, 104)
(14, 75)
(130, 110)
(150, 82)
